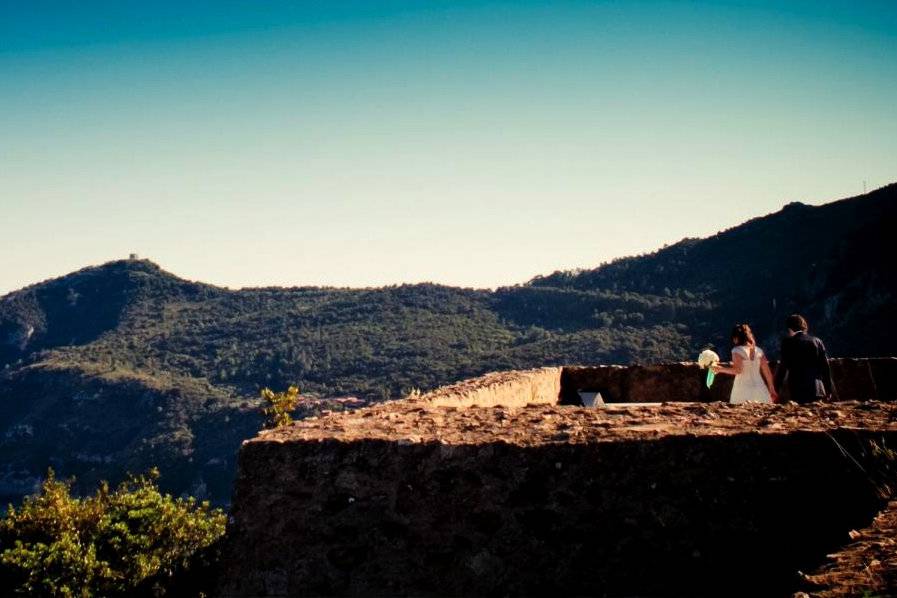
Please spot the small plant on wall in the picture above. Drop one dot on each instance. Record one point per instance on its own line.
(278, 406)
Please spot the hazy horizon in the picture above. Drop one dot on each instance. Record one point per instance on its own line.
(469, 143)
(380, 285)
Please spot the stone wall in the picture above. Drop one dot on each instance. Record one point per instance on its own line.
(681, 499)
(643, 383)
(855, 380)
(499, 485)
(508, 389)
(865, 379)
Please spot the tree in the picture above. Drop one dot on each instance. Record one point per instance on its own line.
(128, 541)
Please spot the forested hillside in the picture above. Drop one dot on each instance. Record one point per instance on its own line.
(833, 263)
(124, 366)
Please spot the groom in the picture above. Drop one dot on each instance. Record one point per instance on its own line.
(805, 363)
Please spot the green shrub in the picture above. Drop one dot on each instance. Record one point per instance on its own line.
(127, 541)
(278, 406)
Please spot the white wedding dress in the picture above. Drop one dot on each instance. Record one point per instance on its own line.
(749, 385)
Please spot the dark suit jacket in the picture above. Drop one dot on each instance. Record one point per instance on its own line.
(805, 362)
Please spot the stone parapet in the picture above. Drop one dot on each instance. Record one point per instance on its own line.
(872, 379)
(679, 499)
(541, 386)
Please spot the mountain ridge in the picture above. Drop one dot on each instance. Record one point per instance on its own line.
(123, 366)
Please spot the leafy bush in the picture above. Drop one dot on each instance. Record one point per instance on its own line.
(126, 541)
(279, 406)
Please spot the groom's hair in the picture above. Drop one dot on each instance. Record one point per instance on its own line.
(797, 323)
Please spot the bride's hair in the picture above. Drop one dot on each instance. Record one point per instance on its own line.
(742, 335)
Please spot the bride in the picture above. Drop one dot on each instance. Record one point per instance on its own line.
(753, 378)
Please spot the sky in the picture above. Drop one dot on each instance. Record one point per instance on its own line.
(255, 143)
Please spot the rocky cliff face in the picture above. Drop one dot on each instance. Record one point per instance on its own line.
(427, 497)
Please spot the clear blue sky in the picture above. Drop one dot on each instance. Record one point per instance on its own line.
(472, 143)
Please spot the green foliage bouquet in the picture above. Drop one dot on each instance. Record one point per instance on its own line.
(707, 359)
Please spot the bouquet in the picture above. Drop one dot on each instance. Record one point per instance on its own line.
(707, 359)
